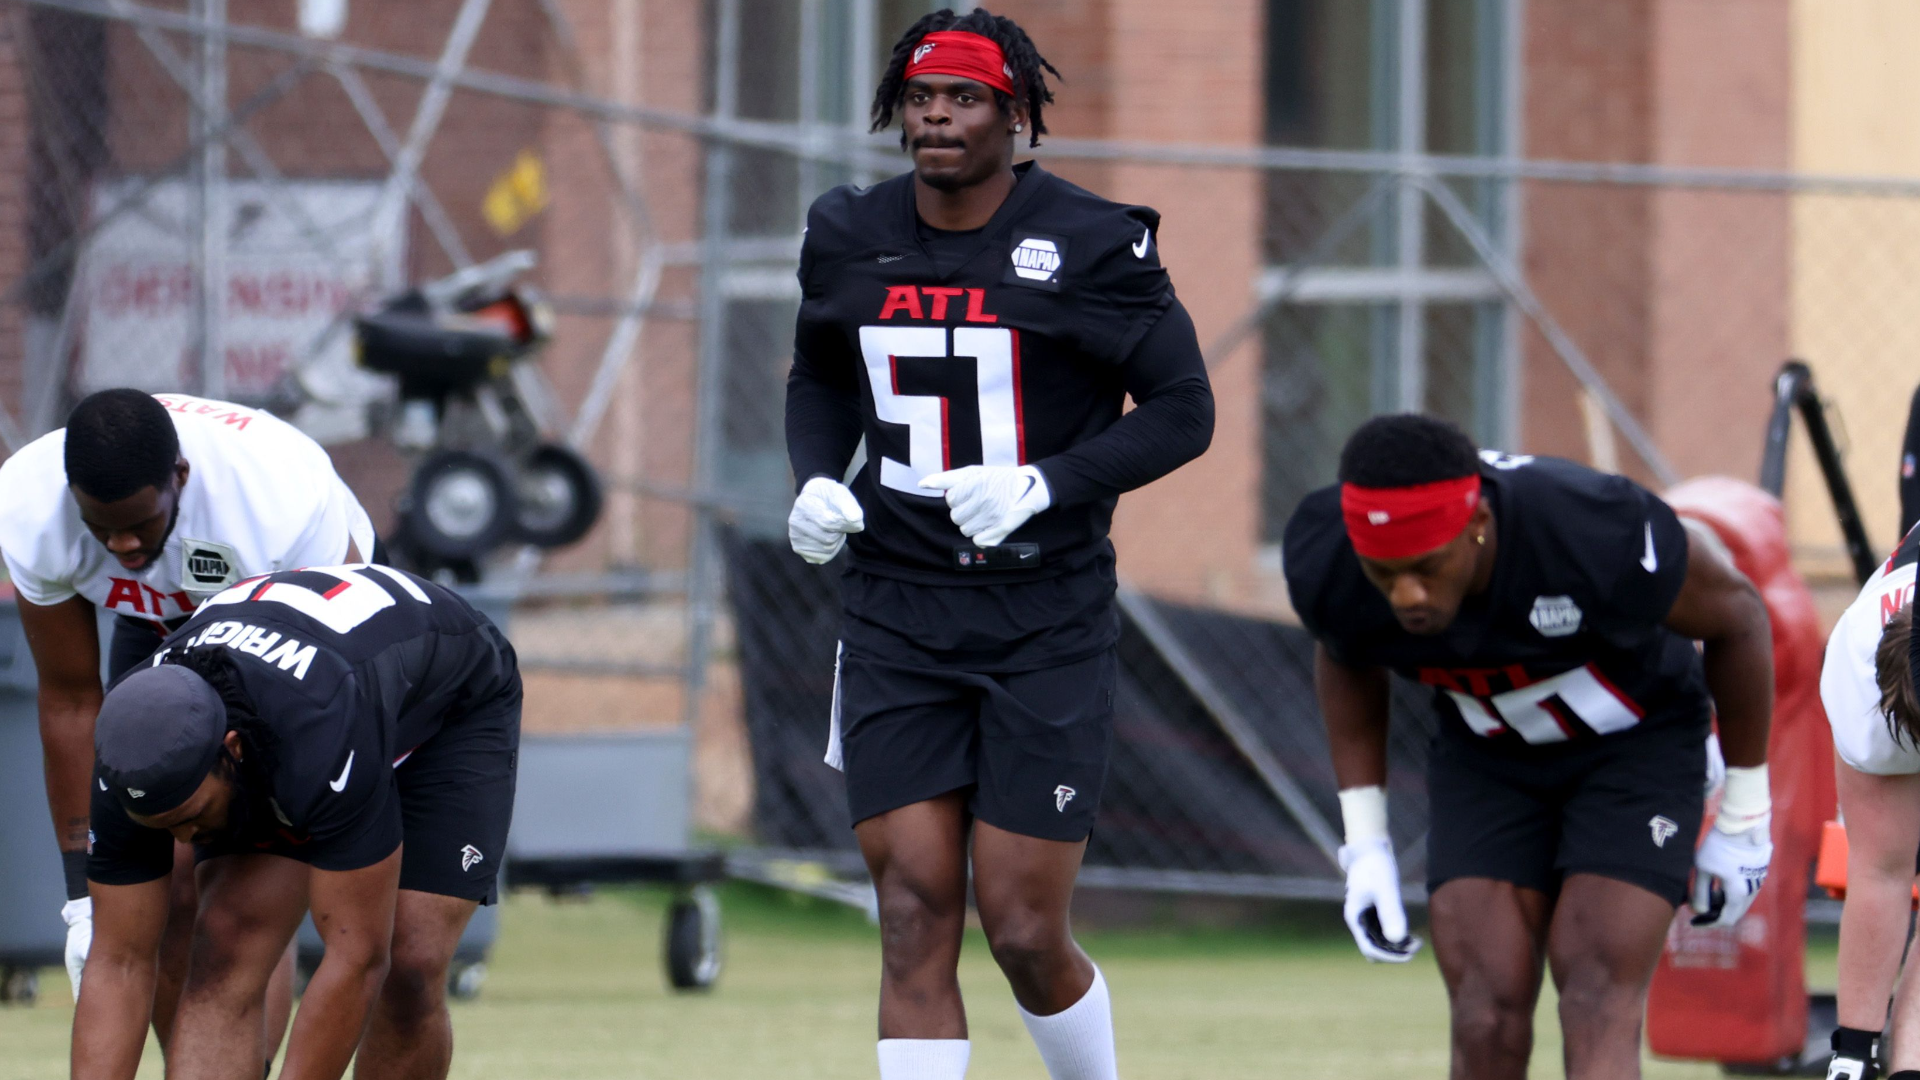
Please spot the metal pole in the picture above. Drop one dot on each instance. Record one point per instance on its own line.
(703, 584)
(210, 209)
(1512, 143)
(1410, 136)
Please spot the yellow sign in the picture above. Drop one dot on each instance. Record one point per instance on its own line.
(517, 195)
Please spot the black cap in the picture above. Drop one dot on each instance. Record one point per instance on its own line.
(157, 736)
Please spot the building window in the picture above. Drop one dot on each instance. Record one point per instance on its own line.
(1401, 314)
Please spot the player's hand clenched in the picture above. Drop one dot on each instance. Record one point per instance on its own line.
(822, 517)
(1374, 911)
(79, 918)
(990, 501)
(1732, 862)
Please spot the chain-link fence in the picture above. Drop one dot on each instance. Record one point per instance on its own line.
(198, 197)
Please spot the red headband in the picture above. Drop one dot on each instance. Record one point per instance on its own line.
(969, 56)
(1397, 523)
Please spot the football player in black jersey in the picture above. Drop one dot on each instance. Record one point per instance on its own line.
(1553, 610)
(979, 324)
(356, 724)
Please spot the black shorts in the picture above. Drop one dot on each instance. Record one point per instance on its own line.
(1625, 806)
(456, 802)
(1031, 747)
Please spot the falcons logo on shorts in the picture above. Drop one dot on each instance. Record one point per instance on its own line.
(468, 856)
(1663, 827)
(1063, 795)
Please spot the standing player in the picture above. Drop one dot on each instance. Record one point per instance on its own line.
(1867, 686)
(980, 323)
(355, 725)
(144, 506)
(1553, 611)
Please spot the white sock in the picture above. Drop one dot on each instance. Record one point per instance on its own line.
(1077, 1043)
(924, 1059)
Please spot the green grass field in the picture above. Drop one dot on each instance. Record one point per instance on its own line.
(576, 991)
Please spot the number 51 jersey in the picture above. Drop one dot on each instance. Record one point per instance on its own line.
(999, 347)
(1567, 643)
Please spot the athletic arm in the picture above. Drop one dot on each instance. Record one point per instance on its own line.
(1353, 705)
(110, 1020)
(353, 912)
(1170, 425)
(1883, 831)
(1718, 607)
(823, 409)
(65, 643)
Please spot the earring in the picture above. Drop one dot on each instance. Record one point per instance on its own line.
(1017, 127)
(1480, 538)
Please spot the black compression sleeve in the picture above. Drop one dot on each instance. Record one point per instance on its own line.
(823, 415)
(1170, 425)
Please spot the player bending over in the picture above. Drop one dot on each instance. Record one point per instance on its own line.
(145, 506)
(980, 323)
(342, 737)
(1553, 610)
(1867, 686)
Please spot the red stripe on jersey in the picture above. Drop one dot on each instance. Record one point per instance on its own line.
(1632, 705)
(255, 594)
(336, 590)
(946, 438)
(1019, 404)
(1562, 715)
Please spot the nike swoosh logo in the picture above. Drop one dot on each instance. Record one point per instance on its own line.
(1140, 249)
(1649, 562)
(339, 783)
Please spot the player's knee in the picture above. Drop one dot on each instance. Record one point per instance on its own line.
(1027, 946)
(914, 924)
(415, 990)
(1595, 999)
(1488, 1025)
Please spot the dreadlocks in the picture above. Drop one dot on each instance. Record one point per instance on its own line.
(1025, 60)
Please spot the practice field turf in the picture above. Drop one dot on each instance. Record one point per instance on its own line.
(576, 991)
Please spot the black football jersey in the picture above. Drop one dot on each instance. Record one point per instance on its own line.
(350, 669)
(1568, 641)
(1003, 354)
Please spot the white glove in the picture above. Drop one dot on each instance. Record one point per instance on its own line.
(79, 917)
(822, 517)
(1732, 862)
(990, 501)
(1374, 912)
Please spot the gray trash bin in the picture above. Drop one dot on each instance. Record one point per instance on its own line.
(32, 887)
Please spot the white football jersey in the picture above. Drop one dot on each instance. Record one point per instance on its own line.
(1848, 689)
(260, 496)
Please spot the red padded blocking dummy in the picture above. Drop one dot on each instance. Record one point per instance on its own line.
(1739, 994)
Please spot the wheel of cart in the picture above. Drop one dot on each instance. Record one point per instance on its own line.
(616, 809)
